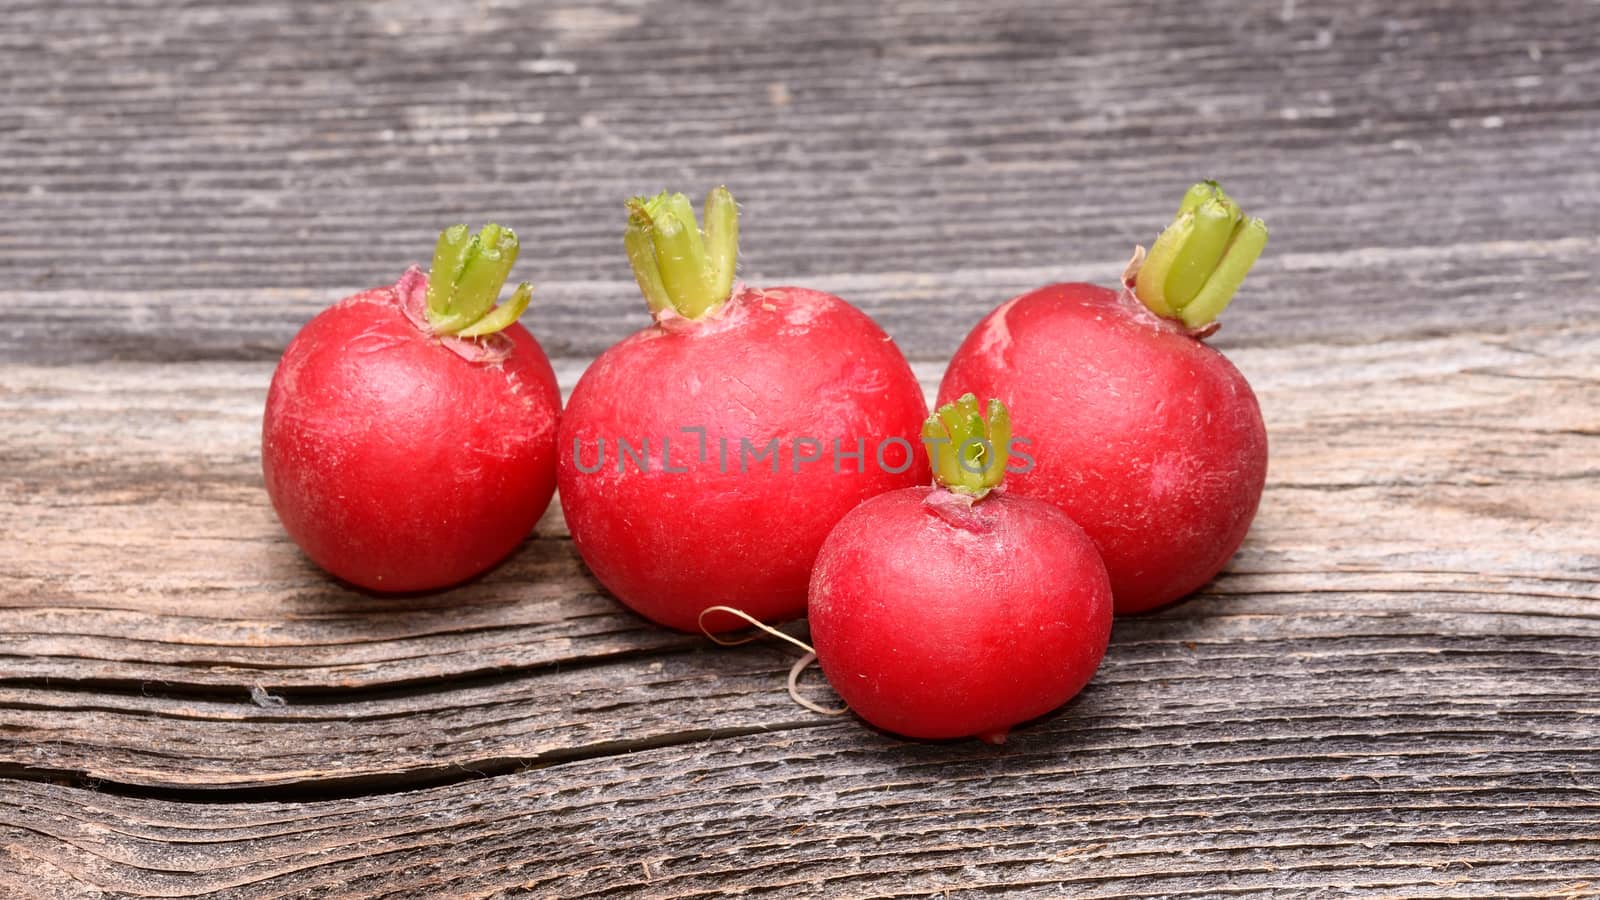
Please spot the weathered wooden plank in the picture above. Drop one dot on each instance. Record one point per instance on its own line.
(143, 482)
(1371, 294)
(1407, 159)
(1384, 808)
(1437, 666)
(1484, 556)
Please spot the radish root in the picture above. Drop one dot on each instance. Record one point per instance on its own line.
(794, 671)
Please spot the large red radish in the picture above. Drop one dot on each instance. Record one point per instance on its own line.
(1146, 436)
(409, 435)
(705, 457)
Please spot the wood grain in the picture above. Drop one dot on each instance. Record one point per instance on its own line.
(1404, 156)
(1390, 691)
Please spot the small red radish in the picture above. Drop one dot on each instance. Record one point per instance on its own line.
(1149, 439)
(959, 610)
(409, 436)
(705, 458)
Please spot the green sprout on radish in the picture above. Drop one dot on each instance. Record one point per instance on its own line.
(465, 280)
(969, 451)
(678, 266)
(1199, 261)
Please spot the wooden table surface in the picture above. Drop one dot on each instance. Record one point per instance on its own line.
(1391, 691)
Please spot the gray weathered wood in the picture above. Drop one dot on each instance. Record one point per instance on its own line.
(1389, 692)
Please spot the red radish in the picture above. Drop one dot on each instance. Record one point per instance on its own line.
(666, 491)
(409, 437)
(958, 609)
(1149, 439)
